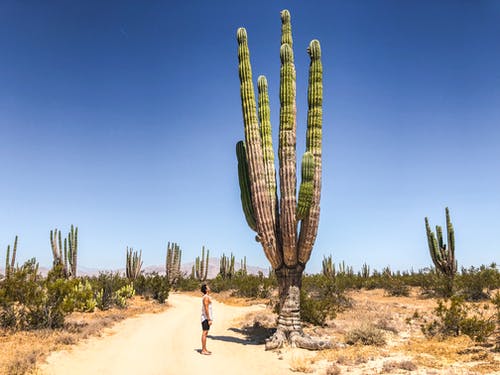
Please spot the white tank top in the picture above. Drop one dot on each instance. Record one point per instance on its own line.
(203, 315)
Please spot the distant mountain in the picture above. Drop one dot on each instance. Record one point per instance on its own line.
(213, 269)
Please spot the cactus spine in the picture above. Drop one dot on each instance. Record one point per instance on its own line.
(173, 263)
(286, 226)
(65, 256)
(10, 262)
(200, 268)
(442, 255)
(133, 264)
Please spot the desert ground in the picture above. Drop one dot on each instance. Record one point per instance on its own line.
(168, 342)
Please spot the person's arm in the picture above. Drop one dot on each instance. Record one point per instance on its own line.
(206, 304)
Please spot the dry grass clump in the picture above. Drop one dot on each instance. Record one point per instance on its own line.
(301, 364)
(350, 355)
(390, 366)
(366, 334)
(333, 370)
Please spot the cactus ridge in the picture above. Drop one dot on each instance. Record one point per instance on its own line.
(277, 220)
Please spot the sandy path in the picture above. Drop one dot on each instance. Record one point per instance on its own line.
(168, 343)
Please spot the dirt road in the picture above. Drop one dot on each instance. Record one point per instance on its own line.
(169, 343)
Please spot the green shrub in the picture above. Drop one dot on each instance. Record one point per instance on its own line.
(323, 297)
(186, 284)
(29, 302)
(455, 320)
(475, 284)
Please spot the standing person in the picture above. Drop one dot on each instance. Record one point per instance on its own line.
(206, 317)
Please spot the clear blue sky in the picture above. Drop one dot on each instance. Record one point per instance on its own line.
(121, 117)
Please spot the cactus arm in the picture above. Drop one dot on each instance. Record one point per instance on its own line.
(267, 143)
(286, 149)
(266, 233)
(306, 190)
(14, 251)
(432, 242)
(244, 181)
(309, 226)
(206, 266)
(7, 265)
(74, 251)
(451, 241)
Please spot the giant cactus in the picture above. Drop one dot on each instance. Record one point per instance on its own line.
(65, 256)
(442, 255)
(276, 220)
(173, 263)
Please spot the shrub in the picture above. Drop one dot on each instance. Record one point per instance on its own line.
(475, 284)
(29, 302)
(252, 286)
(455, 320)
(366, 334)
(322, 297)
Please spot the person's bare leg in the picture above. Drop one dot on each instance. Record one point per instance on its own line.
(204, 343)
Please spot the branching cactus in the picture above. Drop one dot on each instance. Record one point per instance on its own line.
(226, 267)
(243, 267)
(200, 268)
(134, 264)
(286, 226)
(328, 267)
(10, 260)
(443, 256)
(67, 255)
(173, 263)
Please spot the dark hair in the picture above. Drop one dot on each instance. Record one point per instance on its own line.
(204, 288)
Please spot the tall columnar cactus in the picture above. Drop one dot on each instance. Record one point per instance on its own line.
(200, 268)
(173, 263)
(134, 264)
(10, 260)
(65, 256)
(328, 267)
(286, 226)
(442, 255)
(226, 267)
(243, 266)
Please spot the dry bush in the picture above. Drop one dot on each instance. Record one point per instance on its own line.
(333, 370)
(366, 334)
(300, 364)
(390, 366)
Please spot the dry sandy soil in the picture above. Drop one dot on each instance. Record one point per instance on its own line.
(168, 342)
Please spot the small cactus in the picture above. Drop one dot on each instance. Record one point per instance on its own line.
(226, 269)
(173, 263)
(10, 262)
(328, 267)
(200, 269)
(66, 255)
